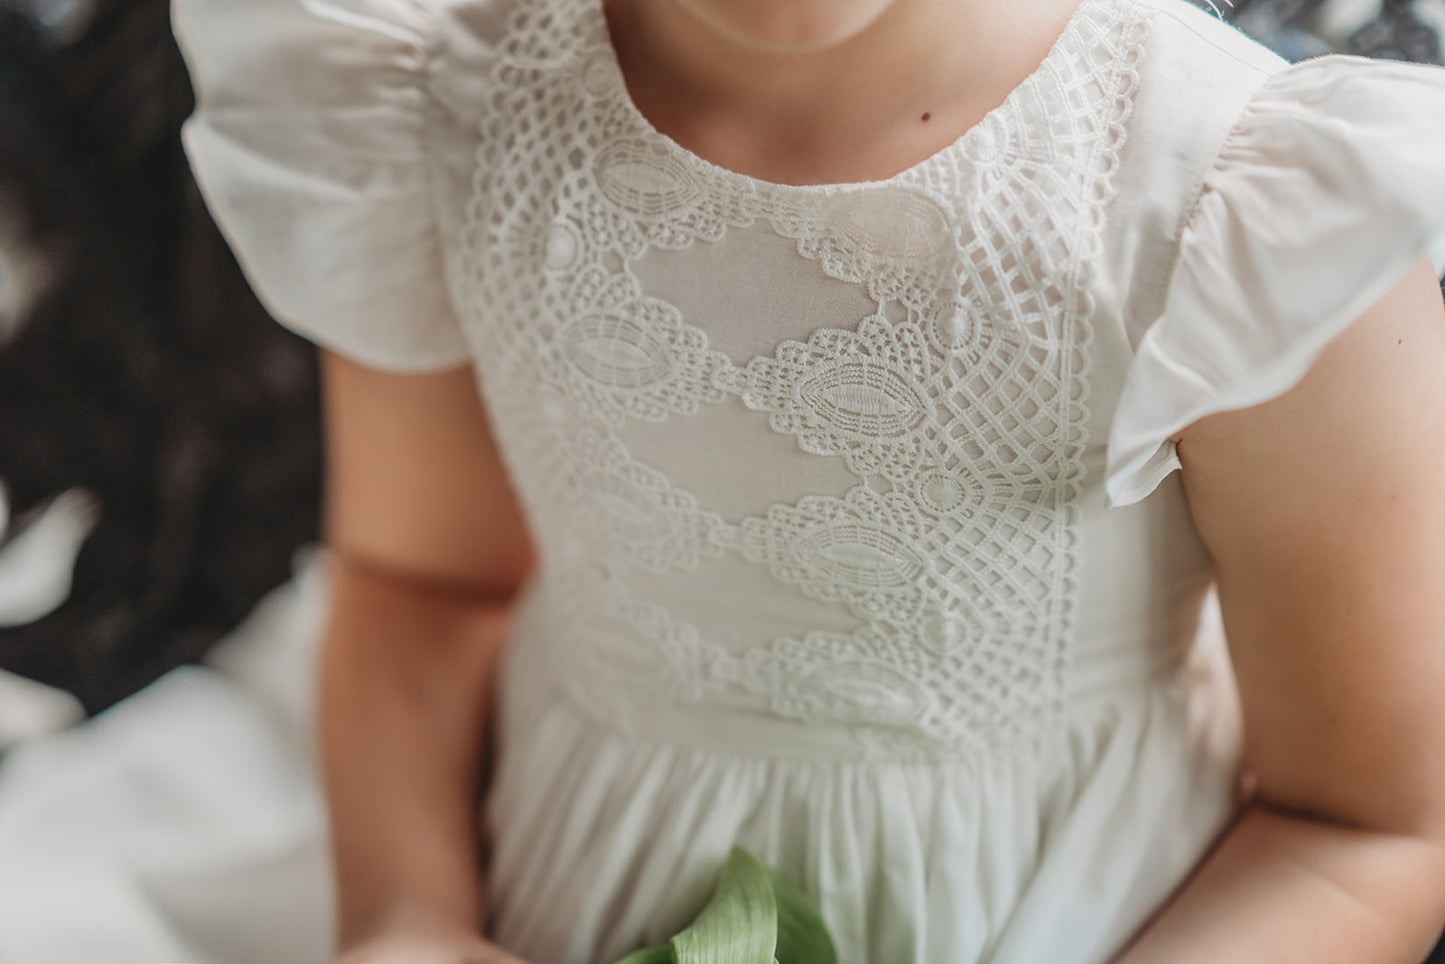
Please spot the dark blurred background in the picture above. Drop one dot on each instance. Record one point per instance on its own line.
(149, 409)
(137, 372)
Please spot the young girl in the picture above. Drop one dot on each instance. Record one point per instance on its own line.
(835, 359)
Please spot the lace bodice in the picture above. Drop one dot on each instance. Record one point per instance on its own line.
(936, 367)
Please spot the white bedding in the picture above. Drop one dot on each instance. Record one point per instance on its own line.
(183, 825)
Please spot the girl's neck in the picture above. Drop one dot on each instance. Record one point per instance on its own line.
(903, 85)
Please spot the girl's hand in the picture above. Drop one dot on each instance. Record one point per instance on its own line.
(418, 941)
(411, 949)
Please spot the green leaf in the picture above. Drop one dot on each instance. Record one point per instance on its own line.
(661, 954)
(740, 924)
(755, 916)
(803, 938)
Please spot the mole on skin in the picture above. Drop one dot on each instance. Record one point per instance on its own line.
(927, 116)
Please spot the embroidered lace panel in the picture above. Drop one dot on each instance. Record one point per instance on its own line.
(960, 404)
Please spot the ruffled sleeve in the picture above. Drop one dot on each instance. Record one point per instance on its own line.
(310, 143)
(1328, 189)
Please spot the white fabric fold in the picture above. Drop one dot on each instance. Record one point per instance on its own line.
(310, 144)
(908, 863)
(1329, 188)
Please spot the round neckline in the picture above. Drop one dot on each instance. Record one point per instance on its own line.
(1073, 27)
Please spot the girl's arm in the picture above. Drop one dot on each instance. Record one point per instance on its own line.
(428, 553)
(1324, 510)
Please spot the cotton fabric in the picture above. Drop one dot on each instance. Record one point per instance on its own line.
(860, 545)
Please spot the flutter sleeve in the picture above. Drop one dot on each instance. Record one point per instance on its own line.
(310, 143)
(1330, 186)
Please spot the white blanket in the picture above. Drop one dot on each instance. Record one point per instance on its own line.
(183, 825)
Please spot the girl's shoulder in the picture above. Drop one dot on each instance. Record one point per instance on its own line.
(1197, 37)
(327, 144)
(1204, 86)
(1265, 206)
(1198, 73)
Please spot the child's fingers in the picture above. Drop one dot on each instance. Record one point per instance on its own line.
(412, 949)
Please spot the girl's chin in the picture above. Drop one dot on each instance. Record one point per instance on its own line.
(788, 26)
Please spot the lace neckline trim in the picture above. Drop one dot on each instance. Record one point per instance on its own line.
(969, 143)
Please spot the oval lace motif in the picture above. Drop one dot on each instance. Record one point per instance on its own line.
(631, 656)
(640, 654)
(872, 691)
(639, 180)
(616, 351)
(631, 513)
(860, 555)
(891, 224)
(863, 398)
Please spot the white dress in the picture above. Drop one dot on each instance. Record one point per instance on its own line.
(860, 541)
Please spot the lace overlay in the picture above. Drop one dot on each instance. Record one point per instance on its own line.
(959, 405)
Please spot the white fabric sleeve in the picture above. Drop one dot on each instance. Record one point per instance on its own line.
(310, 144)
(1328, 189)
